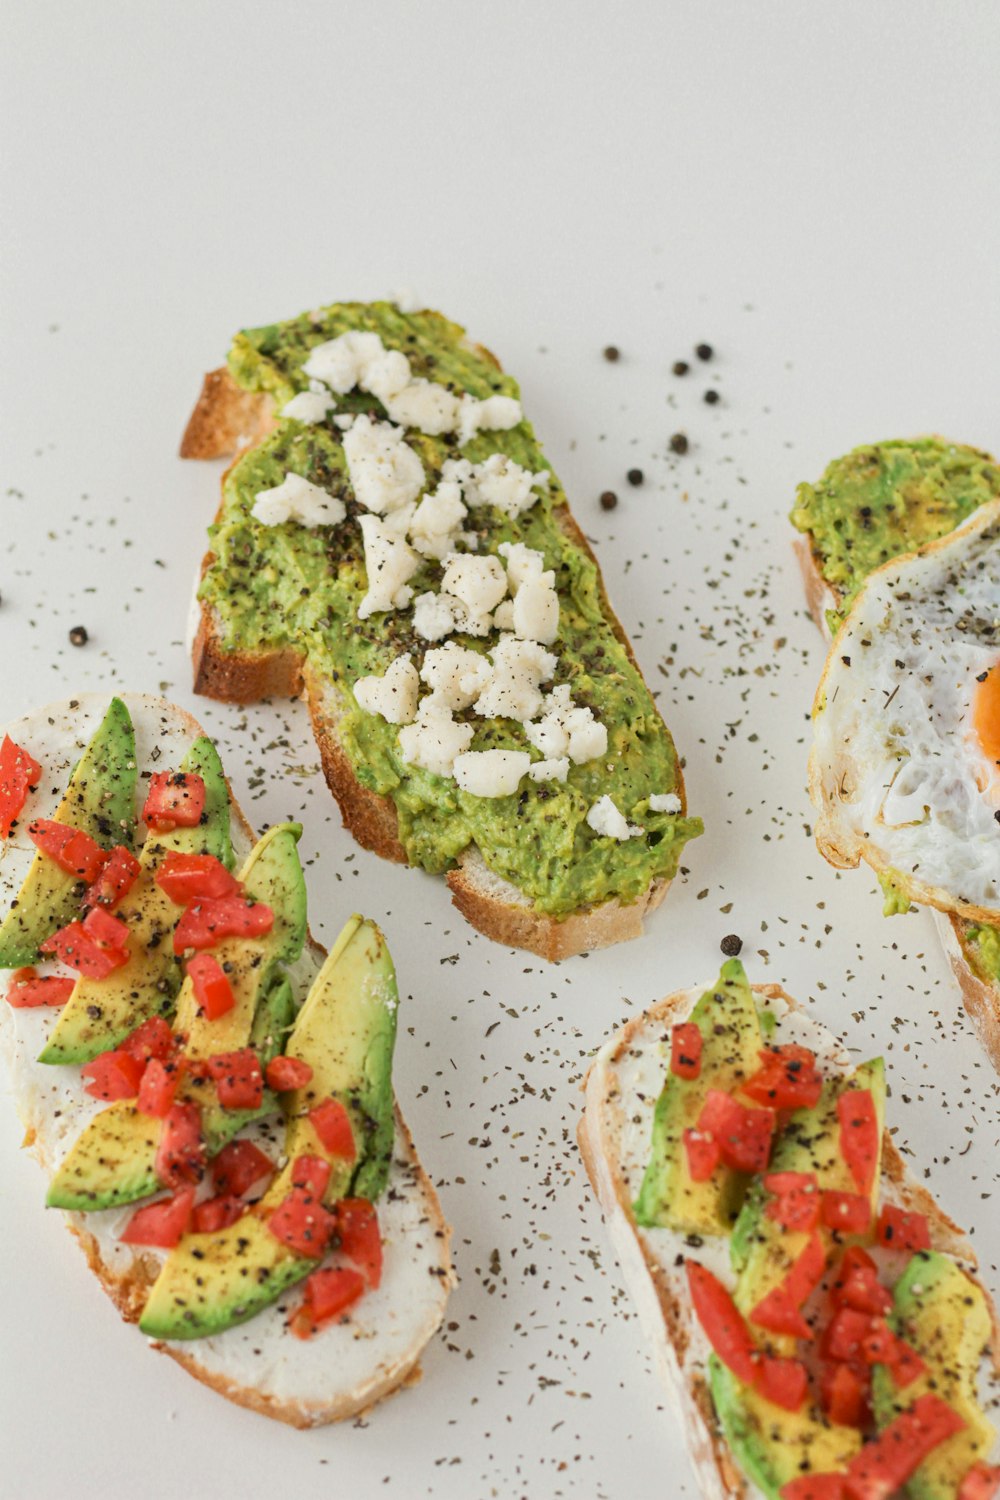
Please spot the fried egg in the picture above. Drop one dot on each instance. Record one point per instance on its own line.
(905, 765)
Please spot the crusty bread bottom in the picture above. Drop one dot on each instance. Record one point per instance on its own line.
(492, 905)
(659, 1295)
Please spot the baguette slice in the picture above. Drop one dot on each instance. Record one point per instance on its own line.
(225, 420)
(621, 1088)
(348, 1366)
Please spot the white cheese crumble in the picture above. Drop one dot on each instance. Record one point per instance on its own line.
(566, 728)
(497, 481)
(389, 563)
(385, 472)
(535, 615)
(308, 406)
(556, 769)
(436, 527)
(605, 819)
(512, 689)
(393, 695)
(525, 565)
(667, 802)
(496, 413)
(479, 582)
(295, 499)
(433, 742)
(491, 773)
(453, 674)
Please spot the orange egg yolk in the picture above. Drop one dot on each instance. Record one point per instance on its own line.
(986, 714)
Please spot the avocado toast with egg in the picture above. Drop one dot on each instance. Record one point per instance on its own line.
(209, 1093)
(813, 1313)
(392, 545)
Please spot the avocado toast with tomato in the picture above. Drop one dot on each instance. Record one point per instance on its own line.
(209, 1093)
(813, 1313)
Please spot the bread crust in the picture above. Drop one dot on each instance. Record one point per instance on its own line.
(980, 998)
(820, 595)
(667, 1321)
(494, 907)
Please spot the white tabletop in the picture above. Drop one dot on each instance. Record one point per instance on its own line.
(810, 189)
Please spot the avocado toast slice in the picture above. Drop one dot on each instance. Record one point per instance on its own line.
(370, 1347)
(768, 1424)
(282, 609)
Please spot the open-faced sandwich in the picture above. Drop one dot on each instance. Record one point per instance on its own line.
(209, 1093)
(814, 1314)
(393, 545)
(905, 765)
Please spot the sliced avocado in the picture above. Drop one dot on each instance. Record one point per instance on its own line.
(100, 1013)
(274, 1020)
(730, 1028)
(763, 1252)
(100, 801)
(773, 1446)
(112, 1162)
(345, 1031)
(944, 1315)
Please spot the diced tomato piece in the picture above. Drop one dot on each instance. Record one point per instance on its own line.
(720, 1318)
(783, 1381)
(851, 1213)
(815, 1487)
(119, 875)
(898, 1230)
(360, 1239)
(885, 1464)
(28, 989)
(239, 1081)
(212, 989)
(158, 1088)
(329, 1292)
(107, 931)
(74, 851)
(195, 877)
(795, 1205)
(779, 1313)
(859, 1142)
(311, 1173)
(74, 946)
(19, 772)
(857, 1285)
(176, 799)
(161, 1223)
(284, 1073)
(113, 1075)
(881, 1346)
(703, 1153)
(744, 1135)
(216, 1213)
(152, 1039)
(807, 1270)
(207, 922)
(844, 1394)
(238, 1167)
(787, 1078)
(332, 1124)
(685, 1050)
(302, 1223)
(844, 1335)
(180, 1156)
(982, 1482)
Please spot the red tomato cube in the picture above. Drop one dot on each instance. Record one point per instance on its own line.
(113, 1075)
(238, 1079)
(73, 946)
(161, 1223)
(898, 1230)
(215, 1214)
(19, 773)
(212, 989)
(176, 799)
(27, 989)
(195, 877)
(180, 1156)
(120, 872)
(332, 1124)
(302, 1223)
(238, 1167)
(285, 1073)
(74, 852)
(311, 1173)
(158, 1088)
(851, 1213)
(360, 1238)
(207, 922)
(685, 1053)
(859, 1136)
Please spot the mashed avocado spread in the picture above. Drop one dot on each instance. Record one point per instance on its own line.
(888, 498)
(275, 587)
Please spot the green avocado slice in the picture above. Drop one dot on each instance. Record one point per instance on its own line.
(345, 1031)
(943, 1314)
(100, 801)
(100, 1013)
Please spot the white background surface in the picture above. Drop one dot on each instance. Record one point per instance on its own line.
(812, 189)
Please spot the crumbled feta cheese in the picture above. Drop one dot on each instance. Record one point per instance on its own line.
(512, 690)
(667, 802)
(438, 615)
(503, 615)
(433, 742)
(536, 612)
(437, 524)
(389, 563)
(491, 773)
(588, 739)
(556, 769)
(406, 299)
(525, 565)
(385, 472)
(346, 420)
(295, 499)
(426, 405)
(605, 819)
(567, 728)
(308, 406)
(480, 582)
(452, 673)
(386, 375)
(340, 362)
(496, 413)
(393, 695)
(501, 482)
